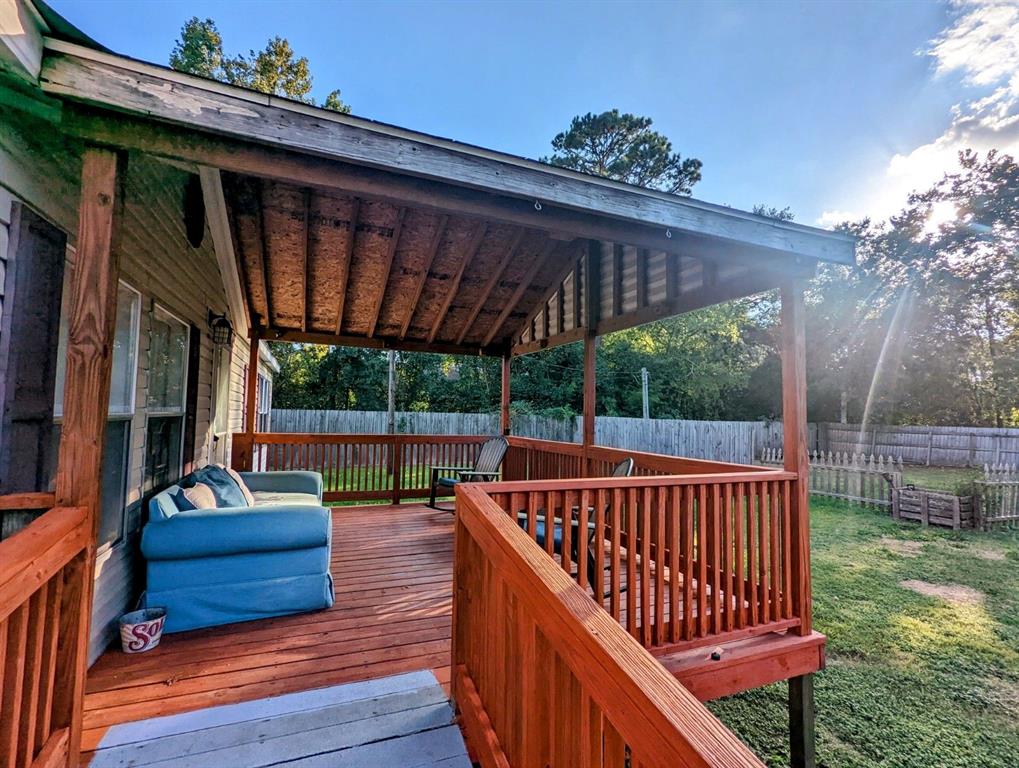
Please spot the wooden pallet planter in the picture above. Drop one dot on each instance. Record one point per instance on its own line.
(866, 480)
(933, 507)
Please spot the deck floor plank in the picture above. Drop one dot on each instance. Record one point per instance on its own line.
(392, 567)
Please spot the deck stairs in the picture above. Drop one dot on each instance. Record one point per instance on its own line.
(404, 720)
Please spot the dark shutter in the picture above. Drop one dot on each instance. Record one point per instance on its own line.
(29, 331)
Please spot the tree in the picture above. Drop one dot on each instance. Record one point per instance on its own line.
(623, 147)
(275, 69)
(199, 50)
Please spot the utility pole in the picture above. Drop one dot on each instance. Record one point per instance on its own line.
(644, 377)
(391, 421)
(391, 406)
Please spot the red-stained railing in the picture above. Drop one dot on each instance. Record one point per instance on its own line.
(42, 588)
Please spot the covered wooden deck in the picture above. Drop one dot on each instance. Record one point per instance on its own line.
(393, 570)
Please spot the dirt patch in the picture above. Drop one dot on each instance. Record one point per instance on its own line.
(902, 547)
(989, 554)
(953, 593)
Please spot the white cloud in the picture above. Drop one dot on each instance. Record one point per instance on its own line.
(981, 45)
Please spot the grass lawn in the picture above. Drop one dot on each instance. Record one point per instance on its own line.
(948, 479)
(912, 680)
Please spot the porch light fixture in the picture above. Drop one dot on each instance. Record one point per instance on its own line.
(222, 330)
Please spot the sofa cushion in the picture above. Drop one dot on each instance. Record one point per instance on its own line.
(223, 487)
(278, 498)
(168, 503)
(232, 569)
(214, 532)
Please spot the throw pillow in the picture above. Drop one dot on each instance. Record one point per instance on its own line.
(200, 496)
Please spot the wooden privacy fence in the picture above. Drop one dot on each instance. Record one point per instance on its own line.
(737, 441)
(931, 446)
(583, 691)
(734, 441)
(42, 594)
(998, 496)
(858, 479)
(360, 467)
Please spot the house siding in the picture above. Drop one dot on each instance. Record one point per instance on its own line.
(158, 262)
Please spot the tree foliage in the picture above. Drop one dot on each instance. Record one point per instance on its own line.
(623, 147)
(276, 69)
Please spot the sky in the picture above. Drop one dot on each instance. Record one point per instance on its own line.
(835, 109)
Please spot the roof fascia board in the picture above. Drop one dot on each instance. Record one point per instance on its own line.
(113, 81)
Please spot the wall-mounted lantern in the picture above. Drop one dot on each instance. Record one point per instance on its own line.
(222, 330)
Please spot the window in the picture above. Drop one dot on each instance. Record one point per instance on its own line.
(264, 403)
(168, 360)
(221, 401)
(117, 448)
(125, 351)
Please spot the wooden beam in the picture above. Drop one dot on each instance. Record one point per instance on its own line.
(387, 267)
(426, 265)
(92, 320)
(251, 385)
(537, 345)
(122, 84)
(672, 288)
(469, 253)
(493, 281)
(617, 279)
(398, 189)
(504, 402)
(555, 288)
(643, 256)
(794, 426)
(243, 214)
(259, 184)
(518, 294)
(348, 254)
(376, 342)
(590, 387)
(592, 285)
(735, 288)
(223, 242)
(305, 252)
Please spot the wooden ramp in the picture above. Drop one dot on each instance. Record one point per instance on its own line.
(404, 720)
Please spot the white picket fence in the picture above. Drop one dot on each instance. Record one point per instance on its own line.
(856, 478)
(998, 494)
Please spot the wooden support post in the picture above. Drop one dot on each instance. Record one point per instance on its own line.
(794, 426)
(504, 405)
(802, 747)
(590, 388)
(592, 302)
(92, 318)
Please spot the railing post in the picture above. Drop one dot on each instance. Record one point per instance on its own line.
(91, 328)
(794, 428)
(396, 457)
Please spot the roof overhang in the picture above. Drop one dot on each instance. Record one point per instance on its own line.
(350, 231)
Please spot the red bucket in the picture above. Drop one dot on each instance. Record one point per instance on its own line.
(140, 630)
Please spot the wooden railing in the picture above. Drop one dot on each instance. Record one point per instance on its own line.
(676, 560)
(42, 583)
(579, 690)
(531, 459)
(359, 467)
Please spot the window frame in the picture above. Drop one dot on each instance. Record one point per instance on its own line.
(162, 413)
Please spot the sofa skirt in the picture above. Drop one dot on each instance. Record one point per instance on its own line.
(194, 607)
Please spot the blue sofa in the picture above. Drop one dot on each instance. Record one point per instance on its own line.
(216, 566)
